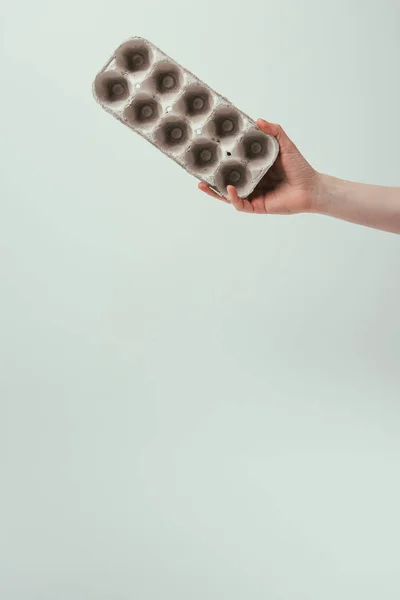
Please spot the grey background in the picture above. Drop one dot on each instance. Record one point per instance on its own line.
(196, 403)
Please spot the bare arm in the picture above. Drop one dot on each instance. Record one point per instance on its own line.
(293, 186)
(371, 205)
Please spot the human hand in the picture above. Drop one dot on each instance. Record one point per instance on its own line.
(288, 187)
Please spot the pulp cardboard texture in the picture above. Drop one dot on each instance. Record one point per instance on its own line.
(182, 116)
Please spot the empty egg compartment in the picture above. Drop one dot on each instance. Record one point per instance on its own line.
(165, 82)
(256, 148)
(195, 103)
(202, 157)
(233, 172)
(224, 125)
(135, 56)
(143, 112)
(112, 89)
(183, 117)
(173, 134)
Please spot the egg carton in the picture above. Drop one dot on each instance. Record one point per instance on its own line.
(184, 118)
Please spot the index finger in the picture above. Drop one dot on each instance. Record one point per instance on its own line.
(207, 190)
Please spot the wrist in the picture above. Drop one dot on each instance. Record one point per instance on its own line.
(322, 193)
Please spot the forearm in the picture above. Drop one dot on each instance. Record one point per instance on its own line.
(370, 205)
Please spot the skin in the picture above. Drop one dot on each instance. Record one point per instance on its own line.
(292, 186)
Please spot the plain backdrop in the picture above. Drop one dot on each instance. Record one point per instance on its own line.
(196, 403)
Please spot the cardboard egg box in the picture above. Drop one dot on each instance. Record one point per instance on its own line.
(183, 117)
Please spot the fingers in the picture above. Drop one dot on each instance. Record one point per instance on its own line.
(207, 190)
(241, 204)
(261, 204)
(275, 130)
(238, 203)
(269, 128)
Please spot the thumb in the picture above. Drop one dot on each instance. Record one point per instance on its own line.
(276, 131)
